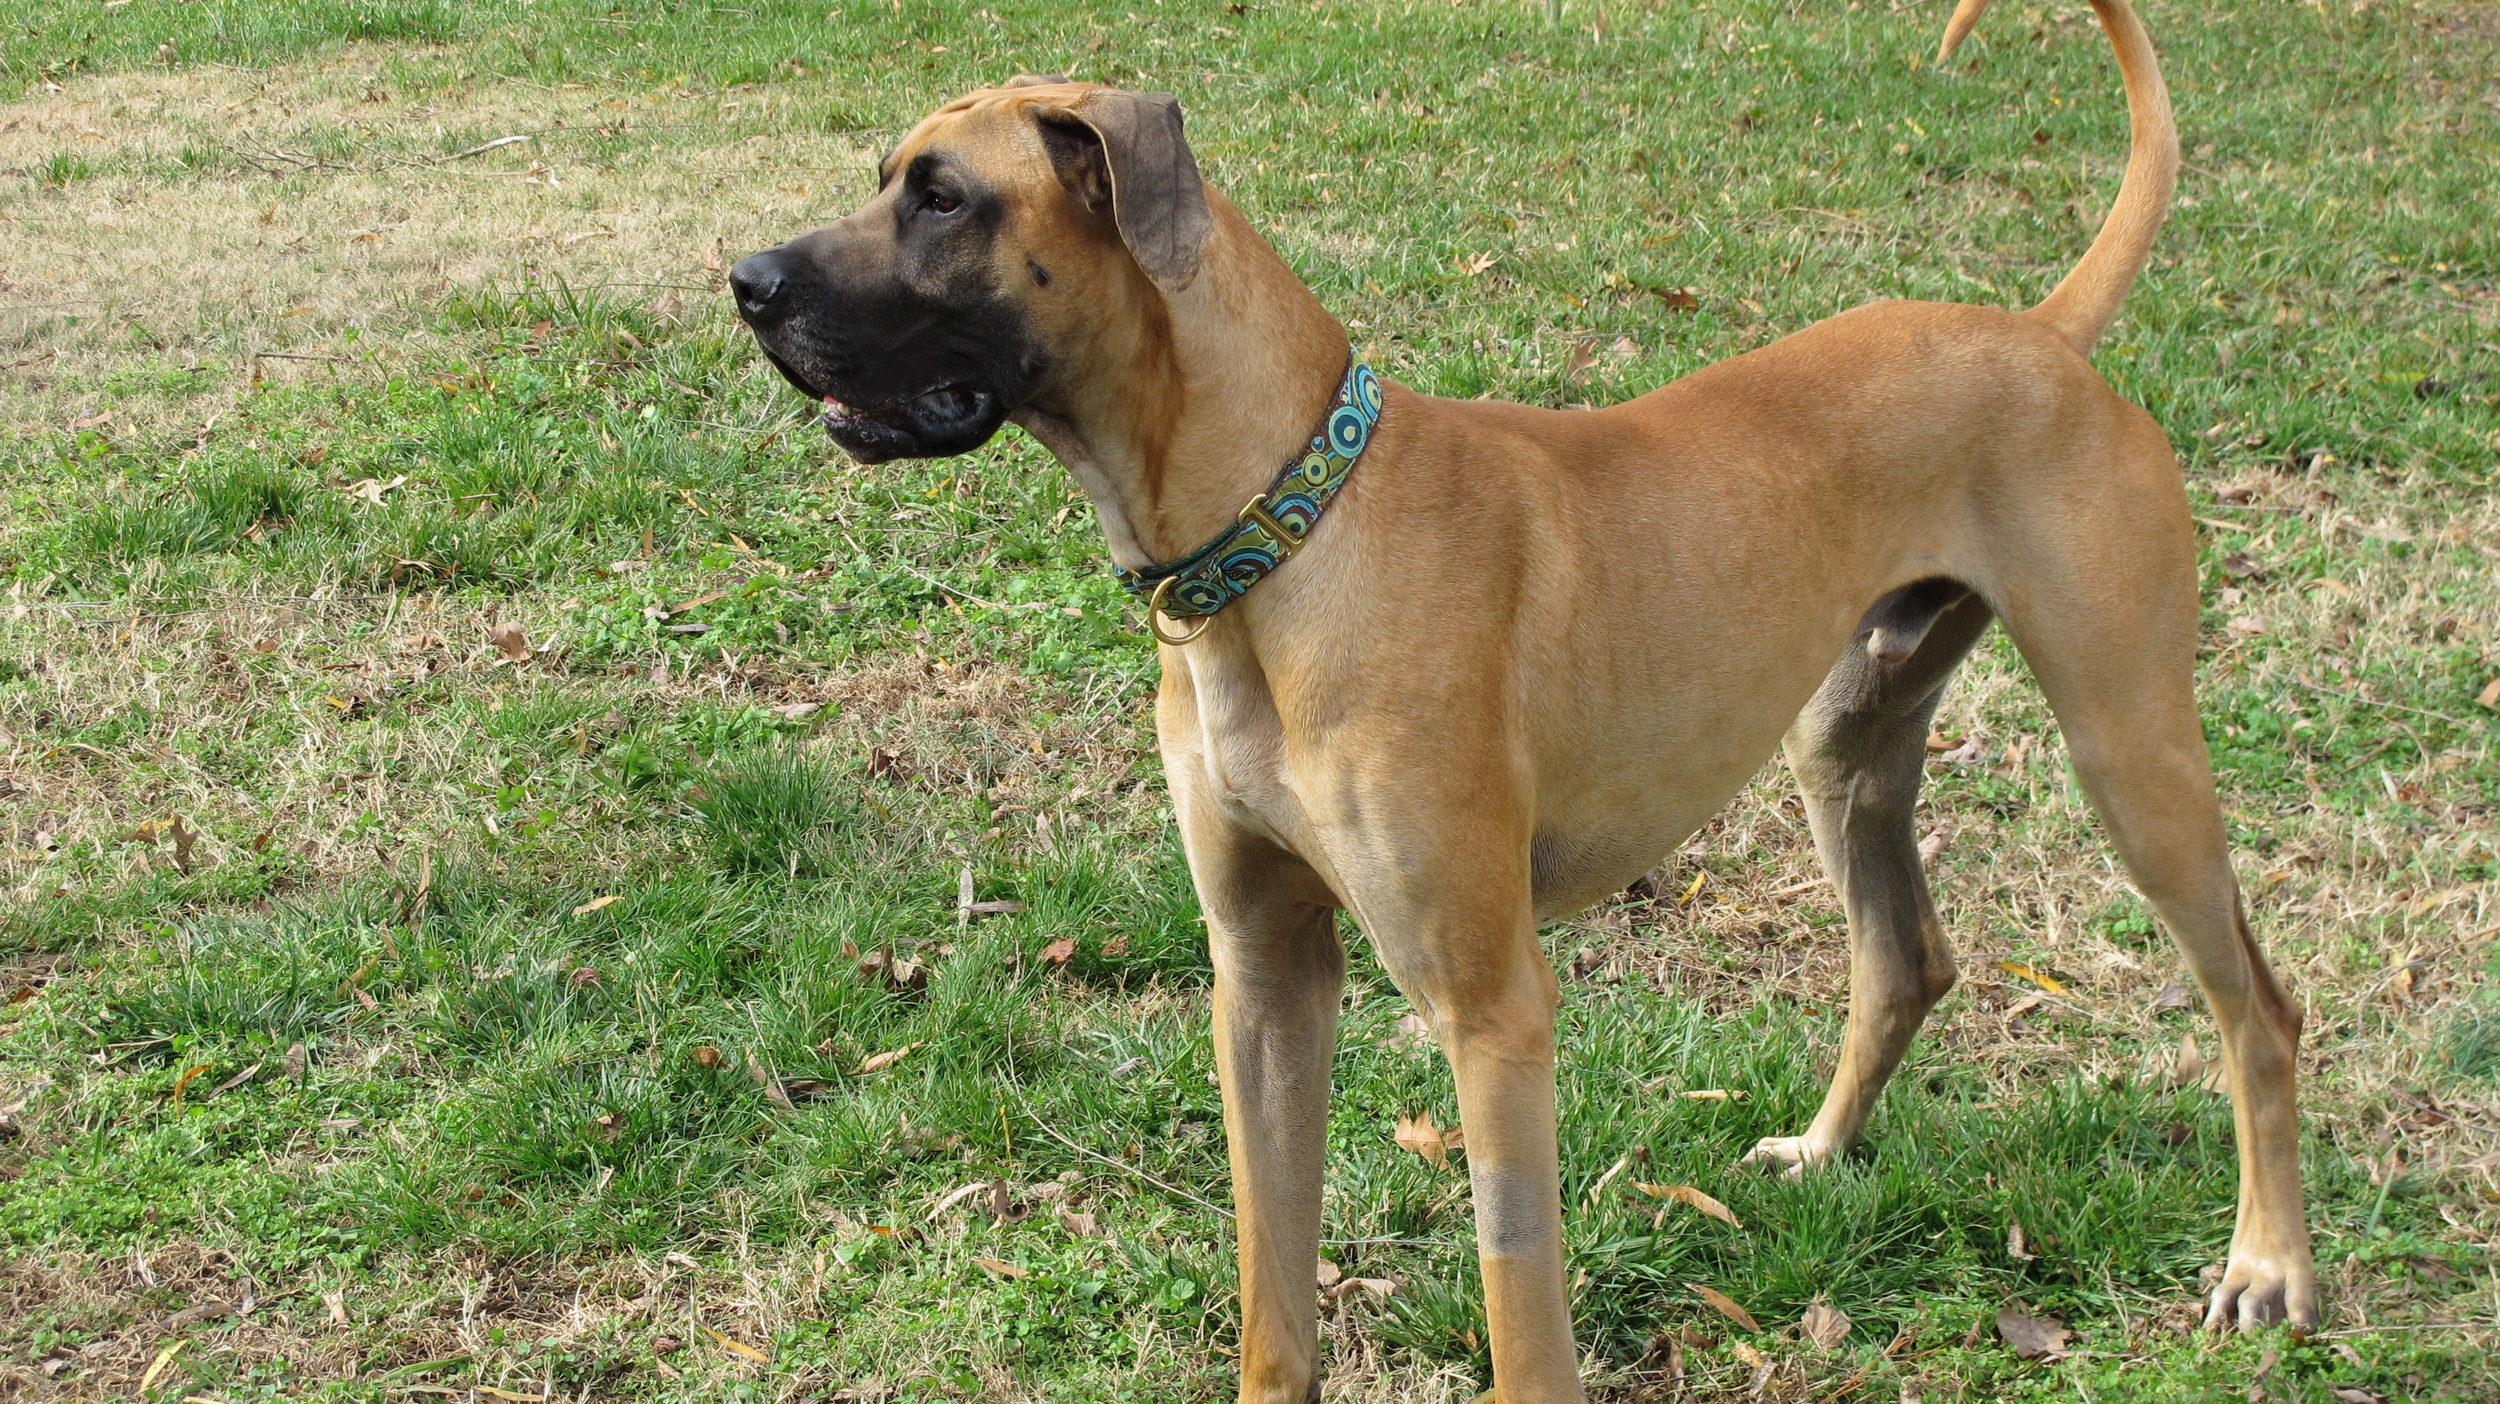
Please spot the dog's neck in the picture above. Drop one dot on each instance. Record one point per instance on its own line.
(1175, 420)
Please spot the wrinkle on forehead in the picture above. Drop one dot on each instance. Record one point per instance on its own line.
(922, 131)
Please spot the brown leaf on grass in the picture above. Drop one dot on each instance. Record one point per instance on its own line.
(996, 1268)
(2174, 996)
(2353, 1395)
(1079, 1222)
(798, 711)
(2490, 695)
(1679, 299)
(234, 1082)
(706, 1056)
(594, 904)
(1418, 1134)
(901, 974)
(771, 1085)
(511, 645)
(1686, 1194)
(879, 1062)
(2031, 1337)
(205, 1311)
(183, 838)
(185, 1081)
(2189, 1068)
(956, 1196)
(2016, 1246)
(1826, 1326)
(371, 490)
(2025, 972)
(1577, 361)
(1377, 1286)
(607, 1126)
(1724, 1305)
(1058, 952)
(734, 1346)
(1409, 1032)
(1329, 1274)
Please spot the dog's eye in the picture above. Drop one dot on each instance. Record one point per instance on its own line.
(943, 203)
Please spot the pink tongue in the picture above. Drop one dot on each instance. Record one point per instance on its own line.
(834, 406)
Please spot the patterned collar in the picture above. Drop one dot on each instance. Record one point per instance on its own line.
(1272, 525)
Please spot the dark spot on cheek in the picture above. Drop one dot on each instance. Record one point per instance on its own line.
(1041, 275)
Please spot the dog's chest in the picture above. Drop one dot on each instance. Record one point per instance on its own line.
(1240, 752)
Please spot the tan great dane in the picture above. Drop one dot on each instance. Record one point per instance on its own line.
(1528, 651)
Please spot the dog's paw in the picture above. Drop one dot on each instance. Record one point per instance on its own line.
(2258, 1291)
(1793, 1153)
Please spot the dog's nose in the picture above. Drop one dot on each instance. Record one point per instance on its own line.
(757, 281)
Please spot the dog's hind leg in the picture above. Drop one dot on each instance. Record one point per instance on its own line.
(2117, 665)
(1857, 750)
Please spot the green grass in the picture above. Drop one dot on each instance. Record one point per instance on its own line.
(776, 708)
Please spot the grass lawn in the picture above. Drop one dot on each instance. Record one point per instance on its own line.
(770, 974)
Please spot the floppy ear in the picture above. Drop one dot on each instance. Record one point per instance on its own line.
(1131, 143)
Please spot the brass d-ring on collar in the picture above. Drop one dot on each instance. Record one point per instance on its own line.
(1155, 616)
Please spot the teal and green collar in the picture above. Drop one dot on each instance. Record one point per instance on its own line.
(1271, 526)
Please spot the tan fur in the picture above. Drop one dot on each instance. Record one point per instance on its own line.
(1528, 651)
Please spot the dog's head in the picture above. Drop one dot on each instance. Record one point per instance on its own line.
(1007, 228)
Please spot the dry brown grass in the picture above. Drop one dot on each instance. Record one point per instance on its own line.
(313, 209)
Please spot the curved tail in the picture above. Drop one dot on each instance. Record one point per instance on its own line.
(2082, 306)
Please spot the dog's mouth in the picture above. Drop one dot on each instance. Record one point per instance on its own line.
(952, 418)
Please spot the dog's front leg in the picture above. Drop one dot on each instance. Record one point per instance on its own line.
(1279, 970)
(1489, 994)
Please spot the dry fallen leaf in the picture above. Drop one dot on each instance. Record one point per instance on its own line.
(2490, 695)
(1329, 1274)
(706, 1056)
(1725, 1305)
(2189, 1069)
(957, 1196)
(1712, 1094)
(1826, 1326)
(878, 1062)
(1679, 299)
(1079, 1222)
(1577, 361)
(156, 1367)
(2025, 972)
(993, 1265)
(772, 1088)
(798, 711)
(336, 1304)
(594, 904)
(2174, 996)
(1418, 1134)
(2031, 1337)
(510, 643)
(1763, 1366)
(735, 1346)
(2016, 1246)
(1686, 1194)
(1377, 1286)
(1059, 951)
